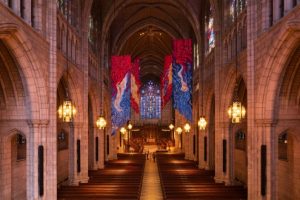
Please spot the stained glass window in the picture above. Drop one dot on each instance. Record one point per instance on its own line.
(150, 101)
(209, 27)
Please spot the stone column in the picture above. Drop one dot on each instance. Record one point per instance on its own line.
(49, 141)
(101, 149)
(228, 175)
(288, 5)
(263, 135)
(191, 137)
(95, 164)
(34, 140)
(218, 66)
(185, 142)
(206, 163)
(270, 142)
(5, 2)
(73, 175)
(201, 150)
(84, 153)
(16, 6)
(27, 11)
(276, 10)
(113, 146)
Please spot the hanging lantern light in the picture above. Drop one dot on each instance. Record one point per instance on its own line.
(67, 111)
(123, 130)
(202, 123)
(101, 122)
(171, 127)
(129, 126)
(236, 112)
(187, 127)
(179, 130)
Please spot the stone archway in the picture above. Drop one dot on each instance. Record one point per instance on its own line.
(23, 97)
(13, 165)
(63, 140)
(286, 111)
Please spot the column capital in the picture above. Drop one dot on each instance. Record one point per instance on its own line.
(37, 122)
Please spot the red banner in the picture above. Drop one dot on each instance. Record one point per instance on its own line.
(120, 66)
(120, 82)
(166, 81)
(182, 51)
(135, 85)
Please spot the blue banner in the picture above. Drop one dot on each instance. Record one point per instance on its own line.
(182, 89)
(120, 106)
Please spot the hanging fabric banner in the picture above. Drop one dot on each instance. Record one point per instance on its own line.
(135, 85)
(120, 82)
(166, 81)
(182, 77)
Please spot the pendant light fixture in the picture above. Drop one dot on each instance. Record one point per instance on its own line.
(202, 121)
(236, 111)
(101, 122)
(67, 110)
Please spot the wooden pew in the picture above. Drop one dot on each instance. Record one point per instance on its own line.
(121, 179)
(181, 179)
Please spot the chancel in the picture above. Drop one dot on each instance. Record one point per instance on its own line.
(149, 99)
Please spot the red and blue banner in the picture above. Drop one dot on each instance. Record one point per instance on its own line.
(182, 77)
(120, 82)
(135, 85)
(166, 81)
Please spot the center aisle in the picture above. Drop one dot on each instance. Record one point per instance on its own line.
(151, 188)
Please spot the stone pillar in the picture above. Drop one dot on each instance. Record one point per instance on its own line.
(101, 149)
(276, 10)
(177, 140)
(16, 6)
(106, 144)
(270, 142)
(228, 175)
(218, 66)
(49, 129)
(201, 150)
(49, 141)
(34, 140)
(186, 144)
(38, 15)
(264, 134)
(206, 163)
(288, 5)
(84, 153)
(95, 163)
(5, 169)
(73, 175)
(5, 2)
(113, 146)
(190, 144)
(27, 11)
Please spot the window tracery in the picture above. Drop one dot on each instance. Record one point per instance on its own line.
(150, 101)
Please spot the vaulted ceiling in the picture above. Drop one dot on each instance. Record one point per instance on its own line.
(146, 28)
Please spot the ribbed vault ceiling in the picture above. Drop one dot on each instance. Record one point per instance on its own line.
(145, 29)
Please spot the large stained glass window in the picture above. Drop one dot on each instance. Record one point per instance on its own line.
(150, 101)
(209, 28)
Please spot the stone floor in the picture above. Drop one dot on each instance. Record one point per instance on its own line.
(151, 188)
